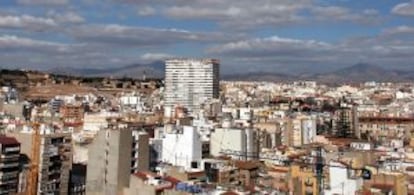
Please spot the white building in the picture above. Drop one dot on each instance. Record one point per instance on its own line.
(181, 147)
(97, 121)
(241, 142)
(204, 127)
(342, 179)
(308, 130)
(190, 82)
(245, 114)
(298, 130)
(134, 102)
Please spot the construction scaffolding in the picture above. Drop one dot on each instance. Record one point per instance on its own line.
(343, 124)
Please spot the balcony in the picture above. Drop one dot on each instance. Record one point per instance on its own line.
(12, 149)
(9, 174)
(10, 156)
(54, 171)
(10, 160)
(7, 191)
(54, 159)
(56, 141)
(10, 181)
(53, 177)
(9, 165)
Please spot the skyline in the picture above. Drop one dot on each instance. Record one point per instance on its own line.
(266, 35)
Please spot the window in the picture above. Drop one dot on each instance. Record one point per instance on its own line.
(194, 165)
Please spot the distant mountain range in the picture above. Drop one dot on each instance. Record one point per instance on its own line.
(357, 73)
(354, 74)
(259, 76)
(360, 73)
(152, 70)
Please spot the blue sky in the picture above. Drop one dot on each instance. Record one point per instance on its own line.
(289, 36)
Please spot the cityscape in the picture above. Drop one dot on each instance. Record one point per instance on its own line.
(125, 97)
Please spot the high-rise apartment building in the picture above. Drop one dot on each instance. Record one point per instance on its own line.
(1, 103)
(190, 82)
(109, 161)
(55, 159)
(9, 174)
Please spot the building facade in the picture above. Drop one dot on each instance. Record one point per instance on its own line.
(140, 152)
(190, 82)
(109, 164)
(239, 143)
(182, 147)
(55, 160)
(10, 153)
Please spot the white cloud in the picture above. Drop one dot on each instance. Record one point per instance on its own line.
(188, 12)
(43, 2)
(26, 22)
(20, 52)
(404, 9)
(399, 30)
(241, 14)
(10, 43)
(336, 13)
(248, 15)
(268, 53)
(66, 17)
(155, 56)
(142, 37)
(271, 46)
(146, 11)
